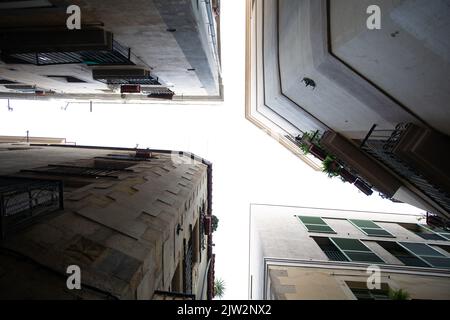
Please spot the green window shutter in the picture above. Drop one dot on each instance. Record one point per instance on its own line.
(364, 223)
(445, 235)
(431, 256)
(356, 251)
(315, 224)
(370, 228)
(312, 220)
(430, 233)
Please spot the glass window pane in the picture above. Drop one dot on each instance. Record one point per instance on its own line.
(377, 232)
(316, 228)
(312, 220)
(364, 223)
(350, 244)
(438, 262)
(412, 261)
(363, 257)
(421, 249)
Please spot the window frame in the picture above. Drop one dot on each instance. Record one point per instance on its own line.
(420, 256)
(443, 235)
(390, 235)
(357, 251)
(314, 224)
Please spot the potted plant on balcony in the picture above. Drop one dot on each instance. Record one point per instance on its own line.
(309, 143)
(331, 167)
(318, 152)
(304, 142)
(363, 187)
(347, 176)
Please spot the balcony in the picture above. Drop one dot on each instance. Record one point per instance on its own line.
(417, 155)
(54, 47)
(22, 201)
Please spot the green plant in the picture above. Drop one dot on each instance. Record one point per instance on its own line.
(305, 148)
(219, 288)
(331, 167)
(214, 223)
(306, 140)
(399, 294)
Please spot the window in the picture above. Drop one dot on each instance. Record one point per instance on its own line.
(10, 4)
(315, 224)
(340, 249)
(425, 232)
(406, 257)
(444, 233)
(24, 200)
(356, 251)
(361, 292)
(330, 250)
(370, 228)
(431, 256)
(69, 170)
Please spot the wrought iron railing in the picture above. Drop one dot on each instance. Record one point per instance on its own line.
(118, 55)
(23, 200)
(335, 255)
(167, 295)
(380, 144)
(187, 269)
(67, 170)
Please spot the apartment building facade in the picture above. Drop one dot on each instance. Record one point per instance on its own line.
(139, 51)
(326, 254)
(367, 105)
(137, 223)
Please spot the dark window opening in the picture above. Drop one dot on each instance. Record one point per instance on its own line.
(187, 266)
(402, 254)
(361, 292)
(330, 250)
(68, 170)
(423, 232)
(23, 200)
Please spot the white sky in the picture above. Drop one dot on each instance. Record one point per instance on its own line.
(248, 166)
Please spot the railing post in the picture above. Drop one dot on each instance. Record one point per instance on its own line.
(2, 217)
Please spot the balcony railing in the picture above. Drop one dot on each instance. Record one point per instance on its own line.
(187, 269)
(23, 200)
(117, 55)
(381, 144)
(166, 295)
(335, 255)
(67, 170)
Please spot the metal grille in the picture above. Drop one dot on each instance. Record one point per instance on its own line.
(380, 144)
(165, 295)
(123, 157)
(201, 226)
(147, 80)
(63, 170)
(118, 55)
(335, 255)
(22, 200)
(187, 269)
